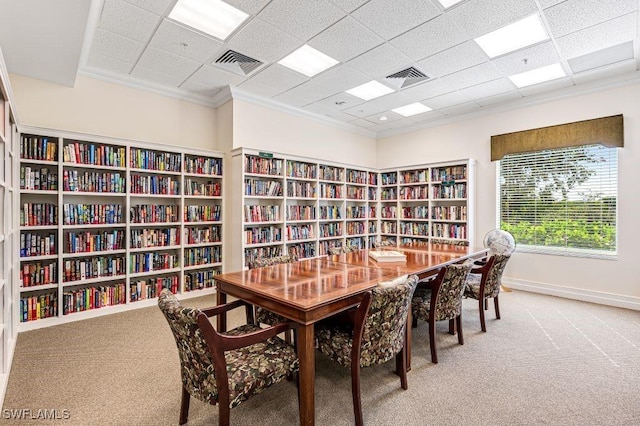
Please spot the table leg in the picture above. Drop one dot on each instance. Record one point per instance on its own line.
(306, 355)
(221, 299)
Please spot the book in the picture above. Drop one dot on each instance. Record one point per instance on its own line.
(387, 256)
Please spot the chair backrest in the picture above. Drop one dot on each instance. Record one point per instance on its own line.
(268, 261)
(385, 243)
(494, 275)
(195, 358)
(343, 249)
(449, 303)
(384, 327)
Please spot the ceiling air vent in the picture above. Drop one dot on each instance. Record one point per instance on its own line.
(406, 78)
(238, 63)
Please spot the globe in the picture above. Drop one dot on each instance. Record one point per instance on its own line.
(500, 242)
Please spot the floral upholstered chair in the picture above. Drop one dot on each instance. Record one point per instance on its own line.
(374, 335)
(483, 283)
(388, 242)
(445, 293)
(343, 249)
(264, 316)
(218, 370)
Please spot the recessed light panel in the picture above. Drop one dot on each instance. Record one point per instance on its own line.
(308, 61)
(412, 109)
(538, 75)
(213, 17)
(522, 33)
(370, 90)
(448, 3)
(603, 57)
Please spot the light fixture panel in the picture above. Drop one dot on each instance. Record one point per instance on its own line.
(411, 109)
(370, 90)
(538, 75)
(517, 35)
(213, 17)
(308, 61)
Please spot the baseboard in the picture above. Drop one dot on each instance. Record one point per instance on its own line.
(628, 302)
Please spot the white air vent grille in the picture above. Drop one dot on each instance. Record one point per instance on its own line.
(238, 63)
(406, 77)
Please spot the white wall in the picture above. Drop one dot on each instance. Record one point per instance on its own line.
(608, 281)
(107, 109)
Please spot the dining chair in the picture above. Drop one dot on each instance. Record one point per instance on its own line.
(225, 368)
(345, 248)
(484, 282)
(373, 333)
(441, 300)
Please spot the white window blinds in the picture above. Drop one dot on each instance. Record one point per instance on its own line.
(561, 200)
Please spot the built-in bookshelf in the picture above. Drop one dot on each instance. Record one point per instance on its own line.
(105, 224)
(299, 206)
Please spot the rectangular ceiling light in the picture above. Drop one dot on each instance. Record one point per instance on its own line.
(213, 17)
(601, 58)
(538, 75)
(522, 33)
(412, 109)
(308, 61)
(448, 3)
(370, 90)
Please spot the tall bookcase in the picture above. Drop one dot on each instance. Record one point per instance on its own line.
(105, 224)
(299, 206)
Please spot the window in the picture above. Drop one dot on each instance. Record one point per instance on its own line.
(561, 201)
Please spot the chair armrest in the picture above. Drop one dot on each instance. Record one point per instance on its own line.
(235, 342)
(220, 309)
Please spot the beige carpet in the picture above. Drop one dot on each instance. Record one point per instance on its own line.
(548, 361)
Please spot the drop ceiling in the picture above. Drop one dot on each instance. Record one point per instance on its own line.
(133, 42)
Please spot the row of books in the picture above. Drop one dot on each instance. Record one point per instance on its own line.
(92, 154)
(154, 185)
(301, 189)
(414, 228)
(252, 254)
(445, 230)
(300, 232)
(356, 212)
(209, 189)
(449, 213)
(355, 228)
(415, 212)
(38, 178)
(261, 235)
(373, 227)
(356, 193)
(95, 267)
(153, 213)
(151, 287)
(202, 255)
(39, 306)
(91, 181)
(262, 188)
(84, 214)
(34, 274)
(332, 173)
(327, 190)
(302, 250)
(357, 176)
(413, 176)
(147, 262)
(389, 178)
(458, 190)
(261, 213)
(202, 213)
(154, 160)
(38, 148)
(373, 194)
(209, 234)
(39, 214)
(85, 299)
(203, 166)
(388, 227)
(92, 241)
(330, 230)
(388, 194)
(330, 213)
(414, 193)
(388, 212)
(301, 212)
(146, 238)
(447, 174)
(262, 165)
(324, 248)
(37, 244)
(300, 170)
(196, 280)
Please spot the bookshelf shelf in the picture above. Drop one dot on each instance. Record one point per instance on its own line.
(122, 202)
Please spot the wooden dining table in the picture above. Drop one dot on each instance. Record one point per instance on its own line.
(310, 290)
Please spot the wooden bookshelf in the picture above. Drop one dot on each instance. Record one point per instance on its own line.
(105, 224)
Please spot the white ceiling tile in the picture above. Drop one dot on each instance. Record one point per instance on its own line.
(381, 61)
(263, 90)
(320, 109)
(159, 7)
(345, 39)
(146, 74)
(341, 78)
(128, 20)
(215, 77)
(167, 63)
(533, 57)
(174, 38)
(109, 64)
(251, 7)
(599, 36)
(548, 3)
(278, 77)
(497, 99)
(383, 103)
(349, 5)
(199, 89)
(460, 109)
(628, 66)
(446, 100)
(557, 84)
(472, 76)
(362, 123)
(263, 41)
(308, 92)
(363, 110)
(340, 101)
(391, 18)
(398, 124)
(457, 58)
(115, 46)
(304, 19)
(428, 89)
(425, 116)
(291, 100)
(494, 87)
(574, 15)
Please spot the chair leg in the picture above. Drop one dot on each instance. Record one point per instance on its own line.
(224, 415)
(486, 304)
(355, 392)
(459, 323)
(497, 306)
(401, 368)
(414, 322)
(452, 326)
(482, 324)
(432, 341)
(184, 406)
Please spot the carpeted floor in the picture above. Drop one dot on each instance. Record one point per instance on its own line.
(548, 361)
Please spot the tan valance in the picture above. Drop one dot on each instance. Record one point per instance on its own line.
(607, 131)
